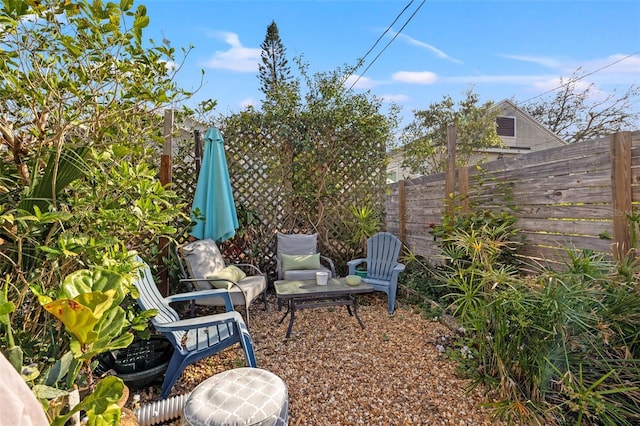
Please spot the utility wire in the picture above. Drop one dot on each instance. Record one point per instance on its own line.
(391, 41)
(573, 80)
(387, 30)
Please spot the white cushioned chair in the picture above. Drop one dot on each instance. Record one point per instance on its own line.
(297, 257)
(206, 269)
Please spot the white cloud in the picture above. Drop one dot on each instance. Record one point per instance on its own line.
(623, 64)
(502, 79)
(415, 77)
(540, 60)
(439, 53)
(360, 82)
(614, 69)
(248, 102)
(399, 98)
(237, 57)
(170, 65)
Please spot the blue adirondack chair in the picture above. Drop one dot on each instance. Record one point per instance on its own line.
(383, 268)
(193, 338)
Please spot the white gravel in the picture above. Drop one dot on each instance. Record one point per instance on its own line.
(390, 373)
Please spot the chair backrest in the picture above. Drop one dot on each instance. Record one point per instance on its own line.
(296, 244)
(383, 250)
(150, 298)
(203, 259)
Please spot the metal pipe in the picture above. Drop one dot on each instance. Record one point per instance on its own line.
(161, 411)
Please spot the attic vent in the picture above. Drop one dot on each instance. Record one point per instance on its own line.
(506, 126)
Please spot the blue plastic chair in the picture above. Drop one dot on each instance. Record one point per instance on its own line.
(193, 338)
(383, 268)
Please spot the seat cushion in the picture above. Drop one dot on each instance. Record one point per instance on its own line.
(302, 274)
(241, 396)
(252, 286)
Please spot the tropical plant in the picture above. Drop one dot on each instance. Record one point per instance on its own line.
(80, 91)
(555, 347)
(365, 223)
(274, 72)
(89, 306)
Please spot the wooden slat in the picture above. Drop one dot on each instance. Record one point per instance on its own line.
(573, 183)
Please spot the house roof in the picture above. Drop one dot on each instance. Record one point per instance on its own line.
(506, 103)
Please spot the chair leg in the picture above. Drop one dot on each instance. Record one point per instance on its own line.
(174, 370)
(247, 313)
(264, 299)
(392, 299)
(247, 345)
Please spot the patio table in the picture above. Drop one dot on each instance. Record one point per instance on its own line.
(303, 294)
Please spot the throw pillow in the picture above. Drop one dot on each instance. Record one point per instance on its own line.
(222, 279)
(300, 261)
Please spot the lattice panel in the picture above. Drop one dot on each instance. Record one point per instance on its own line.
(291, 186)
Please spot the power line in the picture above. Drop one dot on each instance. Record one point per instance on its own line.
(387, 30)
(391, 41)
(573, 80)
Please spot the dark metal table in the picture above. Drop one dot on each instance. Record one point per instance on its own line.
(307, 294)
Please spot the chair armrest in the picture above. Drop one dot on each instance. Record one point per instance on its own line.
(399, 267)
(205, 279)
(200, 294)
(353, 263)
(253, 268)
(395, 273)
(331, 265)
(200, 322)
(278, 268)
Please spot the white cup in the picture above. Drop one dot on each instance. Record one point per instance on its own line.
(322, 278)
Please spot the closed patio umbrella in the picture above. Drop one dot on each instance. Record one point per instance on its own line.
(213, 196)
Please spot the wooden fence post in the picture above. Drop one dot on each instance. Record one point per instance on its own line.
(463, 187)
(197, 150)
(450, 183)
(165, 179)
(402, 211)
(621, 192)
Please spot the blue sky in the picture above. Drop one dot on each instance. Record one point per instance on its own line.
(500, 49)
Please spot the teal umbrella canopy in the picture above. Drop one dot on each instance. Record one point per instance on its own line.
(213, 196)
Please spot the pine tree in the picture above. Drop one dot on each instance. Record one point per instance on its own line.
(274, 71)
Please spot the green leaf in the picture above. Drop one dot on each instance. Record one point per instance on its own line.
(77, 318)
(15, 357)
(96, 279)
(101, 406)
(48, 392)
(59, 370)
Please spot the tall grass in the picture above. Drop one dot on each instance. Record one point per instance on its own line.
(555, 347)
(561, 347)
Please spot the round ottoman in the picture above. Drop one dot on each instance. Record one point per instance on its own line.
(241, 396)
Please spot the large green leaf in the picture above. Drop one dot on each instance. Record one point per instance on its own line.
(58, 370)
(97, 279)
(79, 318)
(110, 333)
(101, 406)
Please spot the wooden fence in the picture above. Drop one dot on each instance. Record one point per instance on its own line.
(574, 197)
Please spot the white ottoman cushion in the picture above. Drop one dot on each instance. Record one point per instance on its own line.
(241, 396)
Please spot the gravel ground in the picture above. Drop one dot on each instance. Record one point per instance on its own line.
(390, 373)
